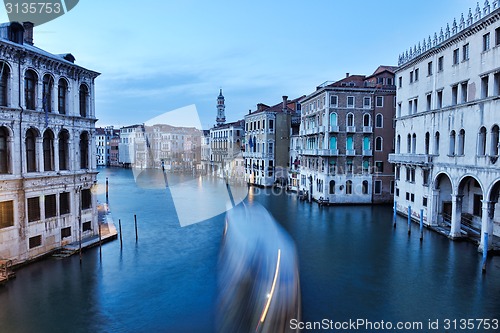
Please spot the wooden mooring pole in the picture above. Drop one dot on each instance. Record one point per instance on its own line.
(409, 220)
(421, 224)
(120, 228)
(135, 222)
(485, 251)
(394, 213)
(107, 188)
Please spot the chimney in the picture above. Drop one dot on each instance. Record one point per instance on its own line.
(285, 102)
(28, 32)
(346, 74)
(249, 111)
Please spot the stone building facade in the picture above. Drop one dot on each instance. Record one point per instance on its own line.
(447, 126)
(347, 134)
(47, 148)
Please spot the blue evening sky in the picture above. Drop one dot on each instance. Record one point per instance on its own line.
(160, 55)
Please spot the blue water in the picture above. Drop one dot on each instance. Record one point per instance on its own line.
(353, 264)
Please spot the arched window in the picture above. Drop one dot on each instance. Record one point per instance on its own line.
(378, 143)
(461, 142)
(379, 120)
(451, 152)
(426, 143)
(365, 187)
(414, 144)
(481, 144)
(48, 151)
(4, 150)
(30, 79)
(436, 143)
(333, 142)
(63, 150)
(408, 143)
(348, 187)
(4, 83)
(83, 100)
(398, 144)
(332, 186)
(62, 89)
(349, 143)
(48, 84)
(333, 119)
(350, 119)
(31, 136)
(366, 119)
(366, 143)
(84, 150)
(494, 141)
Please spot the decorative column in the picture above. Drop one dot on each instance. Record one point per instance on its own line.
(433, 212)
(486, 224)
(456, 215)
(56, 153)
(39, 154)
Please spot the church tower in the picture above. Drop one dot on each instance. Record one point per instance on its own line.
(221, 116)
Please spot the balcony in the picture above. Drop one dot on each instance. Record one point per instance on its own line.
(350, 152)
(367, 152)
(350, 129)
(321, 129)
(333, 128)
(309, 151)
(311, 131)
(328, 152)
(415, 159)
(302, 132)
(367, 129)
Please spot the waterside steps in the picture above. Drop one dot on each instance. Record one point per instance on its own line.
(6, 272)
(107, 230)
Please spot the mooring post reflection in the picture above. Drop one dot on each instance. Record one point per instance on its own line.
(259, 289)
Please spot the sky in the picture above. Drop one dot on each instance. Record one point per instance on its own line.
(159, 55)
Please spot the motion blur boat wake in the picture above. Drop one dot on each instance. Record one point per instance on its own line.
(259, 287)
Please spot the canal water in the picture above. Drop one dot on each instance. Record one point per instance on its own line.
(353, 265)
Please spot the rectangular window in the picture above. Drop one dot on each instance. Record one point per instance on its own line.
(378, 186)
(86, 226)
(50, 206)
(350, 101)
(454, 95)
(410, 106)
(86, 198)
(439, 99)
(400, 83)
(389, 81)
(463, 87)
(398, 172)
(271, 125)
(412, 197)
(35, 241)
(416, 74)
(415, 105)
(456, 57)
(411, 77)
(6, 214)
(33, 209)
(429, 101)
(64, 204)
(429, 68)
(399, 110)
(497, 36)
(440, 63)
(379, 166)
(270, 147)
(486, 42)
(349, 166)
(425, 176)
(484, 86)
(465, 52)
(397, 192)
(407, 196)
(412, 175)
(424, 201)
(496, 84)
(367, 102)
(380, 101)
(65, 232)
(334, 100)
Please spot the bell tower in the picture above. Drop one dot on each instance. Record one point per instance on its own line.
(221, 116)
